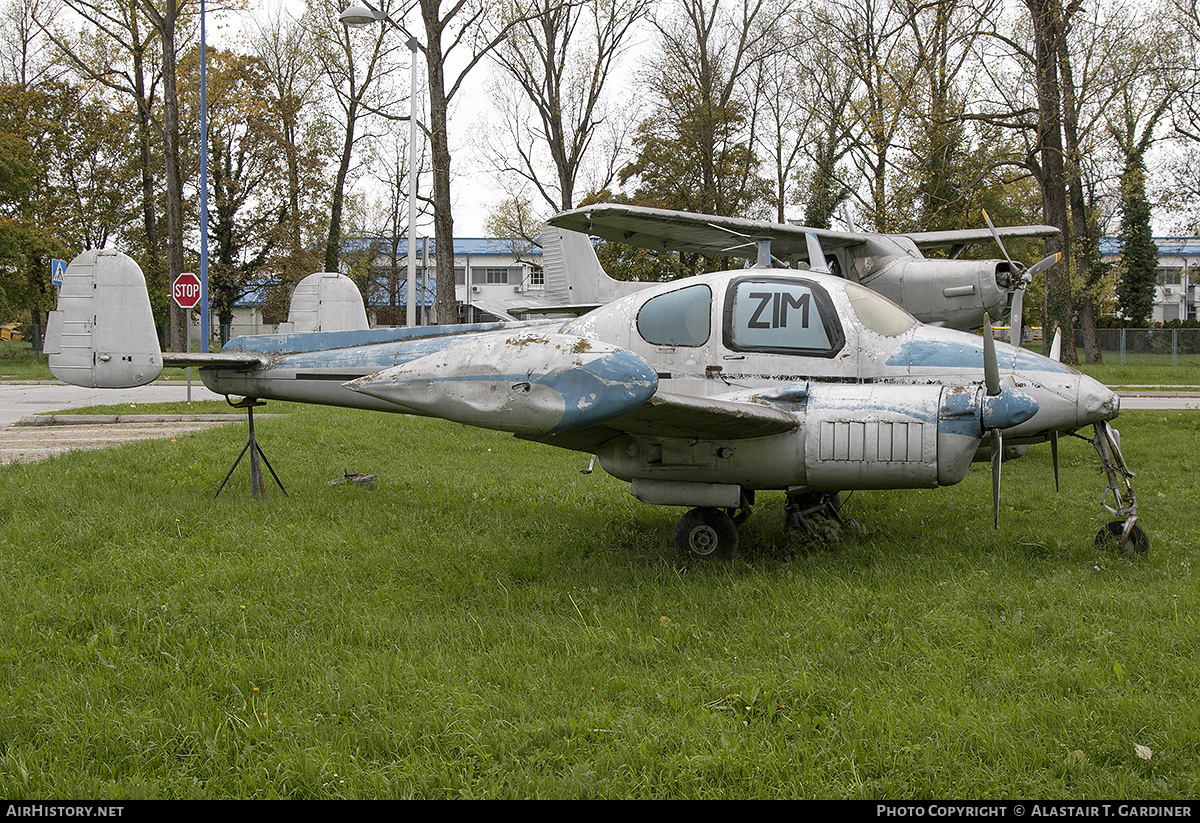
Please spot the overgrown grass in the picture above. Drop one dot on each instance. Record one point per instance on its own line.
(491, 622)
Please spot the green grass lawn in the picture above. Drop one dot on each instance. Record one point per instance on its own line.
(490, 622)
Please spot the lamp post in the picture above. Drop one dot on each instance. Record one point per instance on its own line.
(205, 331)
(364, 14)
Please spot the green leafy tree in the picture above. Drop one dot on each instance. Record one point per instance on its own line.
(1139, 254)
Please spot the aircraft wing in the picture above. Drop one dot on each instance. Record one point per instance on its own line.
(666, 230)
(963, 237)
(677, 415)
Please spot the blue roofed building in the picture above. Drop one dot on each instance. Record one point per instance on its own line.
(486, 270)
(1177, 292)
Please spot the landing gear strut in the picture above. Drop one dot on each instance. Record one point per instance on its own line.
(1124, 535)
(802, 507)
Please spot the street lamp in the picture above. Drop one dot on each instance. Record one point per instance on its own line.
(364, 14)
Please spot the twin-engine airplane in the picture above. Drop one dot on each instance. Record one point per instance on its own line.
(942, 292)
(697, 392)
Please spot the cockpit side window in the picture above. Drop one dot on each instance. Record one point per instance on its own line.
(781, 315)
(677, 318)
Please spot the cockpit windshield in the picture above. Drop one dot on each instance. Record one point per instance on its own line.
(877, 313)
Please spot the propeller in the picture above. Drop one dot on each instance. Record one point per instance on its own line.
(1016, 313)
(1001, 409)
(991, 379)
(1055, 354)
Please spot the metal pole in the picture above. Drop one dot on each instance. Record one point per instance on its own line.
(204, 320)
(410, 309)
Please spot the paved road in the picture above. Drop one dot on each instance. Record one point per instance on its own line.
(29, 443)
(1160, 400)
(19, 400)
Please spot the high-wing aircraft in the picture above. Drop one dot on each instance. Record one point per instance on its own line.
(697, 392)
(942, 292)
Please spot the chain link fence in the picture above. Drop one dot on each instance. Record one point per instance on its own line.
(1148, 347)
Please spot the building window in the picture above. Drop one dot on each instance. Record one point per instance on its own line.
(495, 275)
(537, 277)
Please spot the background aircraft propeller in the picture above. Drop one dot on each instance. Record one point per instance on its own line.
(1016, 314)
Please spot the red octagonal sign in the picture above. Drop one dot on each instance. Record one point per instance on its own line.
(186, 291)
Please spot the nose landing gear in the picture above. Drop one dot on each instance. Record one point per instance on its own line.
(1124, 536)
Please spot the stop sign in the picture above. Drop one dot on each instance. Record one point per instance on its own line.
(186, 291)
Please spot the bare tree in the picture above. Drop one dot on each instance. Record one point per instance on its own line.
(24, 61)
(559, 64)
(355, 66)
(457, 38)
(284, 48)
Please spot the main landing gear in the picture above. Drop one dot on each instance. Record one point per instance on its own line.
(712, 533)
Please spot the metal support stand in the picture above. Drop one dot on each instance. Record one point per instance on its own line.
(257, 489)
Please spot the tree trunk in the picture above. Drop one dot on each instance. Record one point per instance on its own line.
(1058, 307)
(445, 307)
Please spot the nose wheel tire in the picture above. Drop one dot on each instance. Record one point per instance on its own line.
(1135, 542)
(707, 533)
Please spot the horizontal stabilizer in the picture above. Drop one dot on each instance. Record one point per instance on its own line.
(102, 333)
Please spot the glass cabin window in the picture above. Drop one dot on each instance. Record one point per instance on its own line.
(782, 315)
(677, 318)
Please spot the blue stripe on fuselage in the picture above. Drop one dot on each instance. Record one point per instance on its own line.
(324, 341)
(943, 354)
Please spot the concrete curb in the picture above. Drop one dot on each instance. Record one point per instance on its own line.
(101, 419)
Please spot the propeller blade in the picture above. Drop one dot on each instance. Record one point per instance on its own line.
(1054, 456)
(1041, 265)
(997, 461)
(1016, 317)
(991, 369)
(996, 236)
(1056, 346)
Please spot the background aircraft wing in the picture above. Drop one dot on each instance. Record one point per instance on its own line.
(665, 230)
(963, 237)
(677, 415)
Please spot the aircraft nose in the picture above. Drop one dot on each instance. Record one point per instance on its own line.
(1095, 401)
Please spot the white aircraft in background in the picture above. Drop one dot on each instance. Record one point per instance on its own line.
(941, 292)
